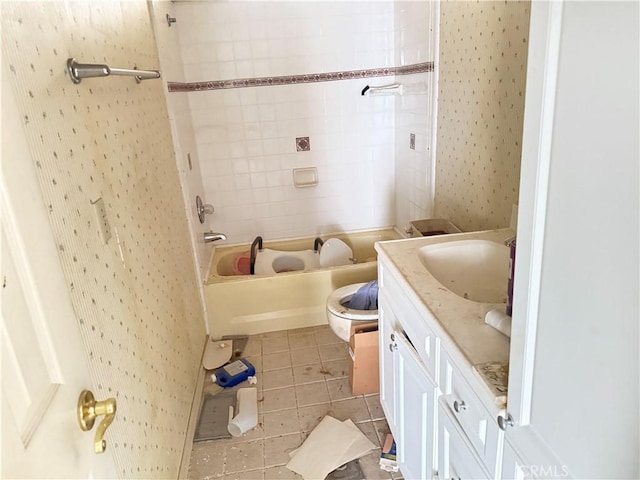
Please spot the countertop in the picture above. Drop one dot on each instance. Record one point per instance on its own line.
(460, 321)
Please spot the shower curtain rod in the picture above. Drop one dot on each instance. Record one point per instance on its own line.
(78, 71)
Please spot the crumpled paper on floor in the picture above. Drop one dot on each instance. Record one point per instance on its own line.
(331, 444)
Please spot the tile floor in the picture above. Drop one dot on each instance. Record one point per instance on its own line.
(302, 376)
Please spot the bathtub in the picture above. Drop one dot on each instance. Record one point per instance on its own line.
(251, 304)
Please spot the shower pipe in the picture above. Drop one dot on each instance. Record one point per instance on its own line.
(78, 71)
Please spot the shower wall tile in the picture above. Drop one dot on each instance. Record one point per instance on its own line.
(247, 137)
(482, 71)
(140, 318)
(415, 26)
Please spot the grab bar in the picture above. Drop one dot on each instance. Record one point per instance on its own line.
(78, 71)
(317, 243)
(252, 256)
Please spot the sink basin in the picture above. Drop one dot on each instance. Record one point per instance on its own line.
(477, 270)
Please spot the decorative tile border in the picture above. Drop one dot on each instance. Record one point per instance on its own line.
(295, 79)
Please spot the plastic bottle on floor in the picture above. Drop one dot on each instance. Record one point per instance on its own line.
(233, 373)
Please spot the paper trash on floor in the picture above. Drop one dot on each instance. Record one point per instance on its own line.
(331, 444)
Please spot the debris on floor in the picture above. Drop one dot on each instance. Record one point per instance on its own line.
(388, 461)
(330, 445)
(246, 412)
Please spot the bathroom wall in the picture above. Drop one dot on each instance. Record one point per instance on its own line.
(482, 71)
(247, 136)
(135, 296)
(182, 129)
(415, 41)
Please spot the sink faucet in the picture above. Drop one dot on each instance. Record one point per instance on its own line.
(510, 241)
(212, 237)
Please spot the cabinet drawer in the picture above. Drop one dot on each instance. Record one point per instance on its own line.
(456, 456)
(414, 325)
(465, 407)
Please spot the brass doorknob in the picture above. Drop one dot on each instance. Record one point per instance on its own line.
(89, 409)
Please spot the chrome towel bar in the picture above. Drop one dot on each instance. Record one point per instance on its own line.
(78, 71)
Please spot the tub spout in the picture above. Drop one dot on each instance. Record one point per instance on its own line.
(213, 237)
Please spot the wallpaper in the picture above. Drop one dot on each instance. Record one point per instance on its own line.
(482, 72)
(135, 296)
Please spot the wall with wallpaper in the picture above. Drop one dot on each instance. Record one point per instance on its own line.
(136, 296)
(482, 71)
(414, 42)
(246, 136)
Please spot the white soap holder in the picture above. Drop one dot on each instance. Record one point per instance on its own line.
(305, 177)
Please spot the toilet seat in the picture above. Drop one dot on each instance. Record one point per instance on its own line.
(335, 306)
(335, 252)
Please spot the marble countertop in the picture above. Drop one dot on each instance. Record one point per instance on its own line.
(462, 330)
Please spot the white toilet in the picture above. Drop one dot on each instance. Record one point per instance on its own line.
(342, 318)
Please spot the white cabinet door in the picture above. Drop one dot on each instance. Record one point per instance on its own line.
(415, 396)
(386, 320)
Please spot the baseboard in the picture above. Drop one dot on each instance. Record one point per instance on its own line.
(196, 404)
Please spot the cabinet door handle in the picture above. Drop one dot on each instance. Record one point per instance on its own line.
(504, 422)
(459, 406)
(393, 346)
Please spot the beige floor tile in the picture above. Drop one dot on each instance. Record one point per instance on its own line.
(312, 394)
(275, 361)
(382, 430)
(279, 399)
(301, 331)
(302, 340)
(305, 356)
(281, 423)
(326, 336)
(369, 429)
(241, 457)
(354, 408)
(207, 460)
(280, 473)
(339, 389)
(275, 345)
(311, 416)
(253, 347)
(334, 351)
(375, 409)
(277, 379)
(308, 373)
(252, 475)
(272, 335)
(276, 451)
(336, 368)
(370, 465)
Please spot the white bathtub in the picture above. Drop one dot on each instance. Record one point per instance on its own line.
(250, 304)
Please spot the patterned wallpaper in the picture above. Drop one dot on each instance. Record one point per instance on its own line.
(482, 72)
(136, 296)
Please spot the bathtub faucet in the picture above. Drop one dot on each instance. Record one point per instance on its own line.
(257, 243)
(213, 237)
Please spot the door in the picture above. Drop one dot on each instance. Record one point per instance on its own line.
(43, 361)
(416, 395)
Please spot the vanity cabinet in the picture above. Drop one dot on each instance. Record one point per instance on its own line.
(441, 428)
(408, 396)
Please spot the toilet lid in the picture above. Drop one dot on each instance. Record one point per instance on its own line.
(335, 252)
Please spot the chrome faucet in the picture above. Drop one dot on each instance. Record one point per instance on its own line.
(213, 237)
(510, 241)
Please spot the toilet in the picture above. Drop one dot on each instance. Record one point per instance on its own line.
(341, 318)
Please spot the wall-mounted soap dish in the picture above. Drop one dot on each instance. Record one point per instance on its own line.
(305, 177)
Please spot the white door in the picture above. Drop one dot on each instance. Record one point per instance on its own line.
(43, 361)
(416, 395)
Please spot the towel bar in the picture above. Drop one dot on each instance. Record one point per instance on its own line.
(78, 71)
